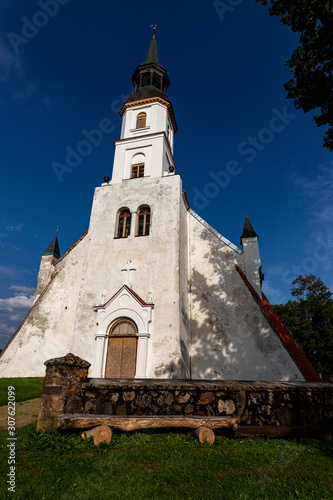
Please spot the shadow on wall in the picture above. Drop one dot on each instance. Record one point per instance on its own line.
(230, 337)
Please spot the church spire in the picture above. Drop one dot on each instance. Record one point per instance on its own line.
(152, 54)
(150, 79)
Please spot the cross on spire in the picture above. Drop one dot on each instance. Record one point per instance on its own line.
(57, 229)
(154, 26)
(128, 268)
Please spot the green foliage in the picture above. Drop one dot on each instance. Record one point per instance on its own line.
(312, 61)
(157, 466)
(310, 320)
(25, 388)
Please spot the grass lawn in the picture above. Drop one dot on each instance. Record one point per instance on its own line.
(25, 388)
(167, 466)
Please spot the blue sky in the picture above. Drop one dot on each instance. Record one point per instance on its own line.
(241, 146)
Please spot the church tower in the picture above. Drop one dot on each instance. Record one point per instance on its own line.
(137, 236)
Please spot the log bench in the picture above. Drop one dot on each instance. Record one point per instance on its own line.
(129, 423)
(203, 426)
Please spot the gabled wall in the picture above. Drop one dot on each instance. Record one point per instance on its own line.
(231, 339)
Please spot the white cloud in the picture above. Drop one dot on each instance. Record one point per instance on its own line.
(18, 302)
(12, 312)
(23, 289)
(6, 332)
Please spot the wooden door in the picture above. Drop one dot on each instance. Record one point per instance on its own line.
(122, 349)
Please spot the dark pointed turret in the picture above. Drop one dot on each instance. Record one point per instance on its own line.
(248, 231)
(150, 79)
(53, 248)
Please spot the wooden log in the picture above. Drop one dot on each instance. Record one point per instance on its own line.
(204, 435)
(100, 433)
(129, 423)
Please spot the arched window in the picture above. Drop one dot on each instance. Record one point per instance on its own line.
(137, 170)
(143, 221)
(123, 327)
(124, 223)
(141, 120)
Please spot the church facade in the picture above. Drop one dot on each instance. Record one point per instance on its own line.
(152, 290)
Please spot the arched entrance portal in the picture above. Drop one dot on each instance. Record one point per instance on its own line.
(122, 349)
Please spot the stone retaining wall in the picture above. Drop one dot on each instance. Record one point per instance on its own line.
(68, 390)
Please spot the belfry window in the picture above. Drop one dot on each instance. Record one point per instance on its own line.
(143, 221)
(137, 170)
(124, 223)
(141, 120)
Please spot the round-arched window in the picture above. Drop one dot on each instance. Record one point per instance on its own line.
(124, 223)
(143, 221)
(141, 120)
(123, 327)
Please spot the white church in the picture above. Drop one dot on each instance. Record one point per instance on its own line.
(151, 290)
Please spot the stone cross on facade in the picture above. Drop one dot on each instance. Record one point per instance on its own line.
(128, 268)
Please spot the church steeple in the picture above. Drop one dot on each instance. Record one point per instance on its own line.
(152, 54)
(145, 148)
(150, 79)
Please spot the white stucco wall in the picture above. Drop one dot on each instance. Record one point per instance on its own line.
(157, 121)
(231, 339)
(155, 142)
(156, 258)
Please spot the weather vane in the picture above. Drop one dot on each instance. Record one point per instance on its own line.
(57, 228)
(154, 26)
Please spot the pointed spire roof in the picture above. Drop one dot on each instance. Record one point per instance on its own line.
(150, 78)
(152, 54)
(53, 248)
(248, 231)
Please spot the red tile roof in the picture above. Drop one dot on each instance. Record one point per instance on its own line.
(302, 362)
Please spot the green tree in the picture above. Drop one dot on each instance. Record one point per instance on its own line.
(309, 319)
(312, 61)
